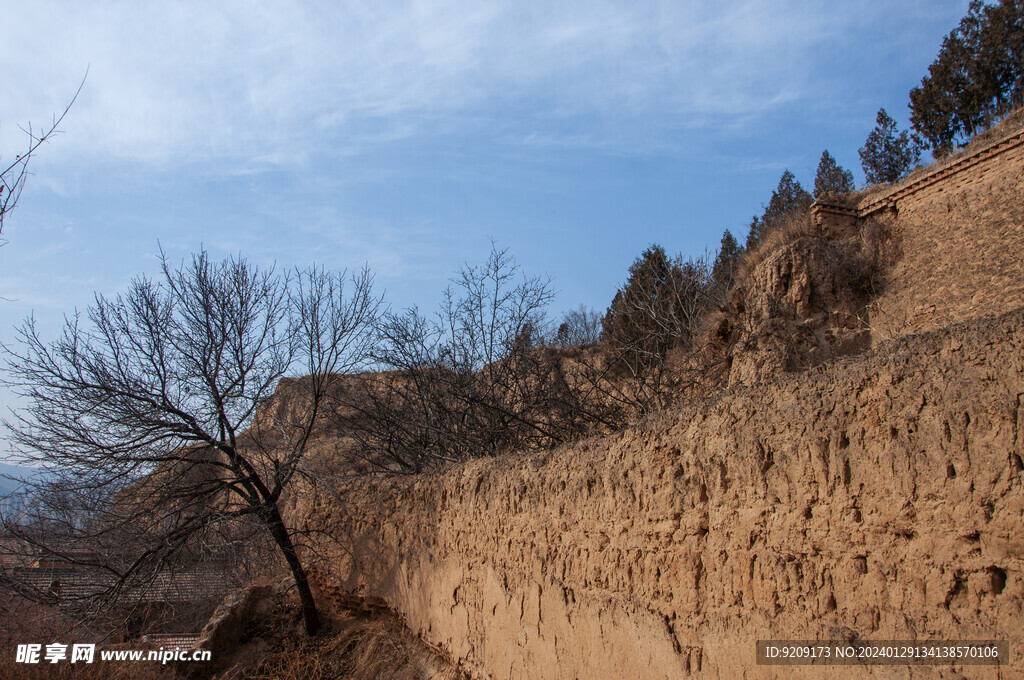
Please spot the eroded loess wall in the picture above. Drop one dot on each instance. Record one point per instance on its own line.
(876, 497)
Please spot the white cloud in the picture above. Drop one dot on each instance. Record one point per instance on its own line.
(264, 83)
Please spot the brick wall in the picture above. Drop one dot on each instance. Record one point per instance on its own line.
(960, 225)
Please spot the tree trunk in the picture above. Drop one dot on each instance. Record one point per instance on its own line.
(280, 533)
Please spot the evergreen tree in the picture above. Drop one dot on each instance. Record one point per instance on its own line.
(887, 156)
(724, 270)
(755, 233)
(656, 309)
(787, 199)
(977, 77)
(832, 178)
(647, 275)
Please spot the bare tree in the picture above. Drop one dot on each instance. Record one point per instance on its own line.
(455, 385)
(155, 411)
(14, 174)
(473, 380)
(580, 327)
(658, 310)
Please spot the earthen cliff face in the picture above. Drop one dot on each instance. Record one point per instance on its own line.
(871, 497)
(877, 498)
(805, 303)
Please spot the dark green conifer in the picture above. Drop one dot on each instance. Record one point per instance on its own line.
(724, 270)
(787, 199)
(832, 178)
(976, 79)
(888, 155)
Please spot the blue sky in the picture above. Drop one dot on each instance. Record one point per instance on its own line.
(407, 134)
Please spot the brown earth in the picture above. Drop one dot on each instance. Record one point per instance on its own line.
(860, 478)
(802, 301)
(876, 496)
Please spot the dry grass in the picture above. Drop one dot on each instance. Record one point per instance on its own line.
(358, 641)
(97, 670)
(1007, 126)
(880, 245)
(378, 649)
(859, 260)
(143, 670)
(795, 226)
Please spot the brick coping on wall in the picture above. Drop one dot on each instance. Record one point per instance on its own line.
(888, 200)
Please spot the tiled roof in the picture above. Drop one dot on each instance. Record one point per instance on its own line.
(75, 583)
(179, 642)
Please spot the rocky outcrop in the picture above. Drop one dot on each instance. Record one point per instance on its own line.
(803, 302)
(226, 628)
(877, 497)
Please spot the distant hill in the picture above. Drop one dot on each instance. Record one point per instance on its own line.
(11, 486)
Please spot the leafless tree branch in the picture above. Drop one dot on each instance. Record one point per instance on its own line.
(156, 412)
(13, 175)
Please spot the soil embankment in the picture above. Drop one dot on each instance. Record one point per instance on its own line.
(880, 497)
(871, 497)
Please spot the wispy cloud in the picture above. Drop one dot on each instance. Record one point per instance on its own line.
(265, 83)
